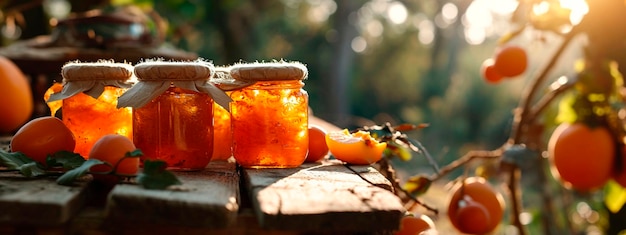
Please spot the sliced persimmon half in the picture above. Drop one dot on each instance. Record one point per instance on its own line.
(358, 148)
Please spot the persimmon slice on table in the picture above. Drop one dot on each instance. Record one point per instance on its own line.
(358, 148)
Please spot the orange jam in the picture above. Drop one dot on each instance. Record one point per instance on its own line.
(173, 112)
(176, 127)
(89, 118)
(269, 121)
(89, 100)
(222, 136)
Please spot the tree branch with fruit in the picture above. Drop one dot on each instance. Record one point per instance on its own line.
(585, 152)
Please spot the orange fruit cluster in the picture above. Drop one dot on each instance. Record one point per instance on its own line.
(45, 136)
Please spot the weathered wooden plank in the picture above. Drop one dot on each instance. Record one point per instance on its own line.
(38, 201)
(208, 198)
(323, 197)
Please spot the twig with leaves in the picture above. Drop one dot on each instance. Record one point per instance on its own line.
(70, 167)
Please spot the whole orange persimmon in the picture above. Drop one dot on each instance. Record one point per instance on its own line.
(581, 157)
(41, 137)
(112, 149)
(415, 224)
(475, 207)
(510, 61)
(317, 144)
(16, 96)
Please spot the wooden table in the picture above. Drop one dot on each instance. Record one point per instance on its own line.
(316, 198)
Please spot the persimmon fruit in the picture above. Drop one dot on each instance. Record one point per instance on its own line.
(581, 157)
(415, 224)
(16, 96)
(475, 207)
(358, 148)
(473, 217)
(510, 61)
(317, 144)
(489, 73)
(112, 148)
(41, 137)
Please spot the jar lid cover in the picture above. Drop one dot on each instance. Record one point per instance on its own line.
(101, 70)
(92, 77)
(155, 77)
(174, 70)
(269, 71)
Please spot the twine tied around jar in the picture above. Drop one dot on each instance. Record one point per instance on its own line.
(92, 77)
(155, 77)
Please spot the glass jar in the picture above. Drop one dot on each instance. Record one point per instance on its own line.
(176, 127)
(89, 101)
(270, 118)
(173, 112)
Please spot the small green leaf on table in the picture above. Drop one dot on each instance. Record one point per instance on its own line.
(20, 162)
(135, 153)
(70, 176)
(13, 160)
(155, 176)
(67, 160)
(31, 169)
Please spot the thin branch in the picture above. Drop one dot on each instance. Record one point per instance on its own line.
(545, 101)
(417, 147)
(516, 197)
(468, 157)
(396, 186)
(522, 116)
(547, 217)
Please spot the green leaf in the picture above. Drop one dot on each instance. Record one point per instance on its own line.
(135, 153)
(13, 160)
(615, 196)
(70, 176)
(67, 160)
(155, 176)
(397, 150)
(32, 169)
(417, 185)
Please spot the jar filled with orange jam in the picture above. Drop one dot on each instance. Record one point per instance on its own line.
(173, 112)
(89, 101)
(269, 118)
